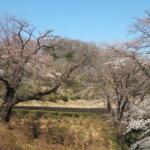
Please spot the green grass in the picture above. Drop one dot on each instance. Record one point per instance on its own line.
(36, 114)
(132, 136)
(112, 134)
(55, 97)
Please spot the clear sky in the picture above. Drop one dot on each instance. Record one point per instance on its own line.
(88, 20)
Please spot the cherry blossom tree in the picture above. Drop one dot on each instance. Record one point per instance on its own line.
(26, 73)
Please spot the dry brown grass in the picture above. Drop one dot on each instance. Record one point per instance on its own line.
(55, 134)
(71, 103)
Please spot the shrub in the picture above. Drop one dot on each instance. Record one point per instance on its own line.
(63, 97)
(53, 97)
(75, 89)
(57, 134)
(132, 136)
(68, 55)
(75, 97)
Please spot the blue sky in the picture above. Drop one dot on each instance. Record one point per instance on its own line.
(87, 20)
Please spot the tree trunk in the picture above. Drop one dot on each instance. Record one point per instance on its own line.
(5, 111)
(7, 105)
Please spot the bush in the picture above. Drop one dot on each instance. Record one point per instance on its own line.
(132, 136)
(68, 55)
(57, 134)
(63, 97)
(75, 97)
(77, 89)
(53, 97)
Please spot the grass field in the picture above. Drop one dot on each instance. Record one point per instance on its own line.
(55, 130)
(42, 130)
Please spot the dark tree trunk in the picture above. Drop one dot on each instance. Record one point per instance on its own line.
(7, 105)
(5, 112)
